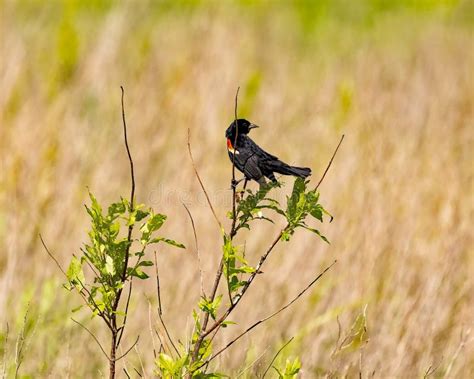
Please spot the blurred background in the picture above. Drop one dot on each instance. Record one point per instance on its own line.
(396, 77)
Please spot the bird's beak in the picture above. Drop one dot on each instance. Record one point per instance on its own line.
(253, 126)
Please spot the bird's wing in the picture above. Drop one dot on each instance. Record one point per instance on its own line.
(252, 169)
(258, 150)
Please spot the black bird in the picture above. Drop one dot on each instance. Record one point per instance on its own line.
(254, 162)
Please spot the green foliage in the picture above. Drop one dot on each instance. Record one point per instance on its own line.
(292, 368)
(112, 262)
(106, 252)
(358, 333)
(251, 207)
(169, 368)
(209, 306)
(301, 204)
(239, 274)
(234, 266)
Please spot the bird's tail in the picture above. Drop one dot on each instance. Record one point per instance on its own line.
(283, 168)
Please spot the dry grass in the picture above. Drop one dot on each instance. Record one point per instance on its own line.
(399, 84)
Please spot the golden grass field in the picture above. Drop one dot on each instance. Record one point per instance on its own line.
(396, 79)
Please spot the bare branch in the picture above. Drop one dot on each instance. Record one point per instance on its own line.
(276, 355)
(52, 256)
(158, 292)
(132, 172)
(122, 328)
(128, 350)
(273, 314)
(94, 307)
(239, 296)
(132, 196)
(233, 232)
(329, 164)
(93, 336)
(201, 183)
(160, 312)
(197, 249)
(234, 197)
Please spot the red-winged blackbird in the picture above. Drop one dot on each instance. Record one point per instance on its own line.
(254, 162)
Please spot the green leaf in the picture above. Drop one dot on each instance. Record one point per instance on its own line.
(116, 209)
(292, 368)
(95, 204)
(76, 309)
(226, 323)
(154, 223)
(136, 272)
(211, 375)
(317, 213)
(211, 307)
(197, 324)
(109, 265)
(140, 215)
(74, 272)
(168, 241)
(145, 264)
(166, 363)
(295, 200)
(315, 231)
(286, 235)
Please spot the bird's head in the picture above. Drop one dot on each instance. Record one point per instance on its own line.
(243, 126)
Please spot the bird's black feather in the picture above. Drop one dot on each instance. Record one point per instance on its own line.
(254, 162)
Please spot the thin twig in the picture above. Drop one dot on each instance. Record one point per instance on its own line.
(158, 292)
(128, 350)
(96, 308)
(52, 256)
(197, 249)
(162, 343)
(132, 196)
(272, 315)
(114, 329)
(234, 215)
(160, 310)
(276, 355)
(245, 287)
(201, 183)
(122, 328)
(329, 164)
(151, 329)
(93, 336)
(205, 322)
(103, 315)
(132, 172)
